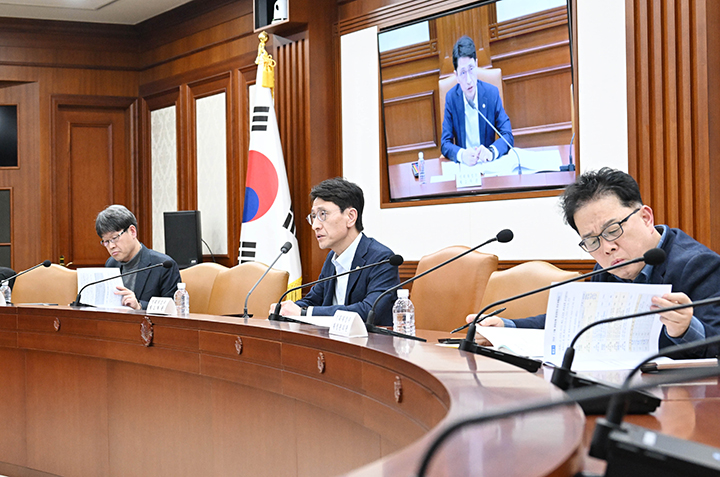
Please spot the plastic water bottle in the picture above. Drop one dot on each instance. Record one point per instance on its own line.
(6, 291)
(182, 300)
(404, 313)
(421, 167)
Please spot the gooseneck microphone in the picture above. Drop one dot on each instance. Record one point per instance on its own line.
(622, 445)
(503, 236)
(46, 263)
(654, 256)
(395, 261)
(562, 376)
(589, 394)
(283, 250)
(512, 148)
(165, 264)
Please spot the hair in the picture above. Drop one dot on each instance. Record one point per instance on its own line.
(595, 185)
(114, 219)
(342, 193)
(464, 48)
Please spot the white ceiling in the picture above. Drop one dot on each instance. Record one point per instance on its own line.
(127, 12)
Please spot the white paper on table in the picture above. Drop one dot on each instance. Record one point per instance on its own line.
(620, 345)
(101, 294)
(521, 341)
(532, 161)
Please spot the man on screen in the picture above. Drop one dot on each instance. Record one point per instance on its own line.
(336, 220)
(466, 136)
(117, 228)
(605, 208)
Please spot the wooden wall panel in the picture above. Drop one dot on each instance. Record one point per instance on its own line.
(672, 102)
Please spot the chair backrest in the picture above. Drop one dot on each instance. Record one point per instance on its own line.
(446, 296)
(53, 284)
(520, 279)
(232, 286)
(199, 280)
(488, 75)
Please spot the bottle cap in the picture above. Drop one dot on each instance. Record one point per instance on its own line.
(181, 286)
(403, 293)
(421, 155)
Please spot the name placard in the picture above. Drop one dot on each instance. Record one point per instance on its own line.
(2, 300)
(161, 306)
(348, 324)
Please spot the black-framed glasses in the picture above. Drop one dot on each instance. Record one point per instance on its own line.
(611, 233)
(114, 239)
(321, 215)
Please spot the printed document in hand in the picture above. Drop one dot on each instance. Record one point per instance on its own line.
(102, 294)
(612, 346)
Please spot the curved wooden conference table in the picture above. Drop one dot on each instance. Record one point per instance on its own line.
(91, 392)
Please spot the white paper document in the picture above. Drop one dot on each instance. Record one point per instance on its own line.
(101, 294)
(619, 345)
(532, 161)
(522, 341)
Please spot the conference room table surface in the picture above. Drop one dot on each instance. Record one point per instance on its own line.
(110, 392)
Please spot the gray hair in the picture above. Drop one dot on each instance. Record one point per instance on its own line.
(115, 218)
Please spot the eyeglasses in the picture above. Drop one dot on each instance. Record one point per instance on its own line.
(114, 239)
(321, 215)
(611, 233)
(463, 73)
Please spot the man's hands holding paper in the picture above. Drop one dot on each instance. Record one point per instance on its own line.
(128, 298)
(490, 321)
(676, 322)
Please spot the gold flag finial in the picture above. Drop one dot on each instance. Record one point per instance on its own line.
(264, 58)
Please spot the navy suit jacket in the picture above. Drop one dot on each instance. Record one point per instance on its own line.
(159, 281)
(490, 104)
(691, 268)
(363, 287)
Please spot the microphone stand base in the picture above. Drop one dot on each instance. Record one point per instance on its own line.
(383, 331)
(527, 364)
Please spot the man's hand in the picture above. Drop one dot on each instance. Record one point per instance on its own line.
(484, 154)
(128, 298)
(287, 308)
(677, 322)
(492, 321)
(469, 156)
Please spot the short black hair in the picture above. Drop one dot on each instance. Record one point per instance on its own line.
(596, 184)
(464, 47)
(342, 193)
(114, 218)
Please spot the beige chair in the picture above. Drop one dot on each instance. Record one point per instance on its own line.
(446, 296)
(488, 75)
(232, 286)
(199, 280)
(520, 279)
(53, 284)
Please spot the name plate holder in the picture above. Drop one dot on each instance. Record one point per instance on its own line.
(2, 300)
(348, 324)
(468, 177)
(161, 306)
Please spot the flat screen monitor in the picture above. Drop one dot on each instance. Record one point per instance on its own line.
(506, 126)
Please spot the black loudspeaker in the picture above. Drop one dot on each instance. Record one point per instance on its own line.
(183, 237)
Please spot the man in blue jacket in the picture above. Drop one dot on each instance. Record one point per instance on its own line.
(466, 136)
(117, 228)
(605, 208)
(336, 219)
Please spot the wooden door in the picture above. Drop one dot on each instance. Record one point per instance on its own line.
(92, 170)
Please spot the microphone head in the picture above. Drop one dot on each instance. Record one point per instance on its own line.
(46, 263)
(396, 260)
(654, 256)
(167, 264)
(286, 248)
(504, 236)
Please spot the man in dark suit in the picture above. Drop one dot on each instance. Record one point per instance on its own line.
(117, 228)
(605, 208)
(466, 136)
(336, 219)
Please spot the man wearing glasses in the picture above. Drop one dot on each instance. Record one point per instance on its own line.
(466, 136)
(336, 220)
(117, 228)
(606, 210)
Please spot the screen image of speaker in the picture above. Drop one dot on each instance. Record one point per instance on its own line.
(183, 237)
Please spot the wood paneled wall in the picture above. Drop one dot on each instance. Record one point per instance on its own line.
(673, 107)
